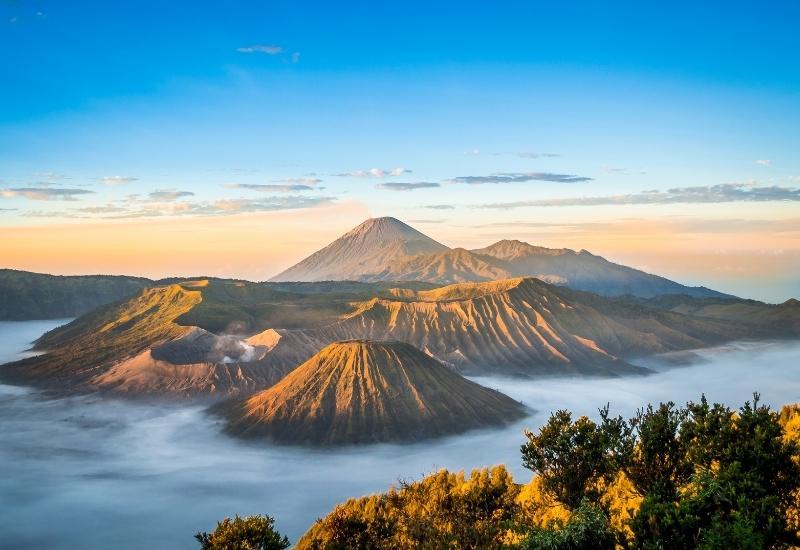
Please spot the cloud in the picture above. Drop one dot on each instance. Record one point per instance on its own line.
(440, 207)
(726, 192)
(669, 225)
(271, 188)
(473, 152)
(426, 221)
(50, 177)
(406, 186)
(107, 209)
(614, 170)
(296, 57)
(304, 181)
(535, 155)
(374, 173)
(44, 193)
(516, 177)
(223, 207)
(764, 162)
(269, 49)
(168, 195)
(118, 180)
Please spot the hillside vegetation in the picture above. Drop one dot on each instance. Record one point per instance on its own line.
(699, 476)
(25, 296)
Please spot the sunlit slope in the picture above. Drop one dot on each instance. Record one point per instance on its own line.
(183, 339)
(243, 307)
(365, 392)
(196, 364)
(86, 347)
(517, 326)
(366, 249)
(452, 266)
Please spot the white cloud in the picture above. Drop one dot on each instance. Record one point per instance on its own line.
(375, 173)
(118, 180)
(726, 192)
(304, 181)
(43, 193)
(269, 49)
(406, 186)
(270, 188)
(507, 177)
(764, 162)
(168, 195)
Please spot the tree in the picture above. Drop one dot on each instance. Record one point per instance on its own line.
(658, 463)
(248, 533)
(588, 528)
(573, 458)
(442, 510)
(744, 479)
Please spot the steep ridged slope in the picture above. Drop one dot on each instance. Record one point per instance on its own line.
(367, 392)
(364, 250)
(137, 347)
(513, 326)
(87, 346)
(453, 266)
(197, 363)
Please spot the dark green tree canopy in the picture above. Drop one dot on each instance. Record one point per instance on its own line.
(248, 533)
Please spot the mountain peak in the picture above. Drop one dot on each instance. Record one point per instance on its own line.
(385, 229)
(365, 391)
(513, 249)
(363, 251)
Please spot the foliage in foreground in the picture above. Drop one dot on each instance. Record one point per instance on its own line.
(248, 533)
(699, 476)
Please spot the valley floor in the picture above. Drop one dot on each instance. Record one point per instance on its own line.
(110, 473)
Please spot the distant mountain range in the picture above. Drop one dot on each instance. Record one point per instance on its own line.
(25, 295)
(386, 249)
(368, 392)
(380, 250)
(219, 338)
(368, 339)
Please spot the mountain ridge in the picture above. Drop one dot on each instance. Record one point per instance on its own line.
(386, 249)
(363, 391)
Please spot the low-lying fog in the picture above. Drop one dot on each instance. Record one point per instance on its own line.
(91, 473)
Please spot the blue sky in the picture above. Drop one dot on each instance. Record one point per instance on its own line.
(163, 110)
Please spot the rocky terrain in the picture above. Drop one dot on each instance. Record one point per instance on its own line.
(367, 392)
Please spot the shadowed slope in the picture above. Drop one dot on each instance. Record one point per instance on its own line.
(452, 266)
(583, 271)
(386, 249)
(87, 346)
(160, 341)
(514, 326)
(25, 295)
(365, 392)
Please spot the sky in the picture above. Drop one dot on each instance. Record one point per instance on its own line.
(202, 138)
